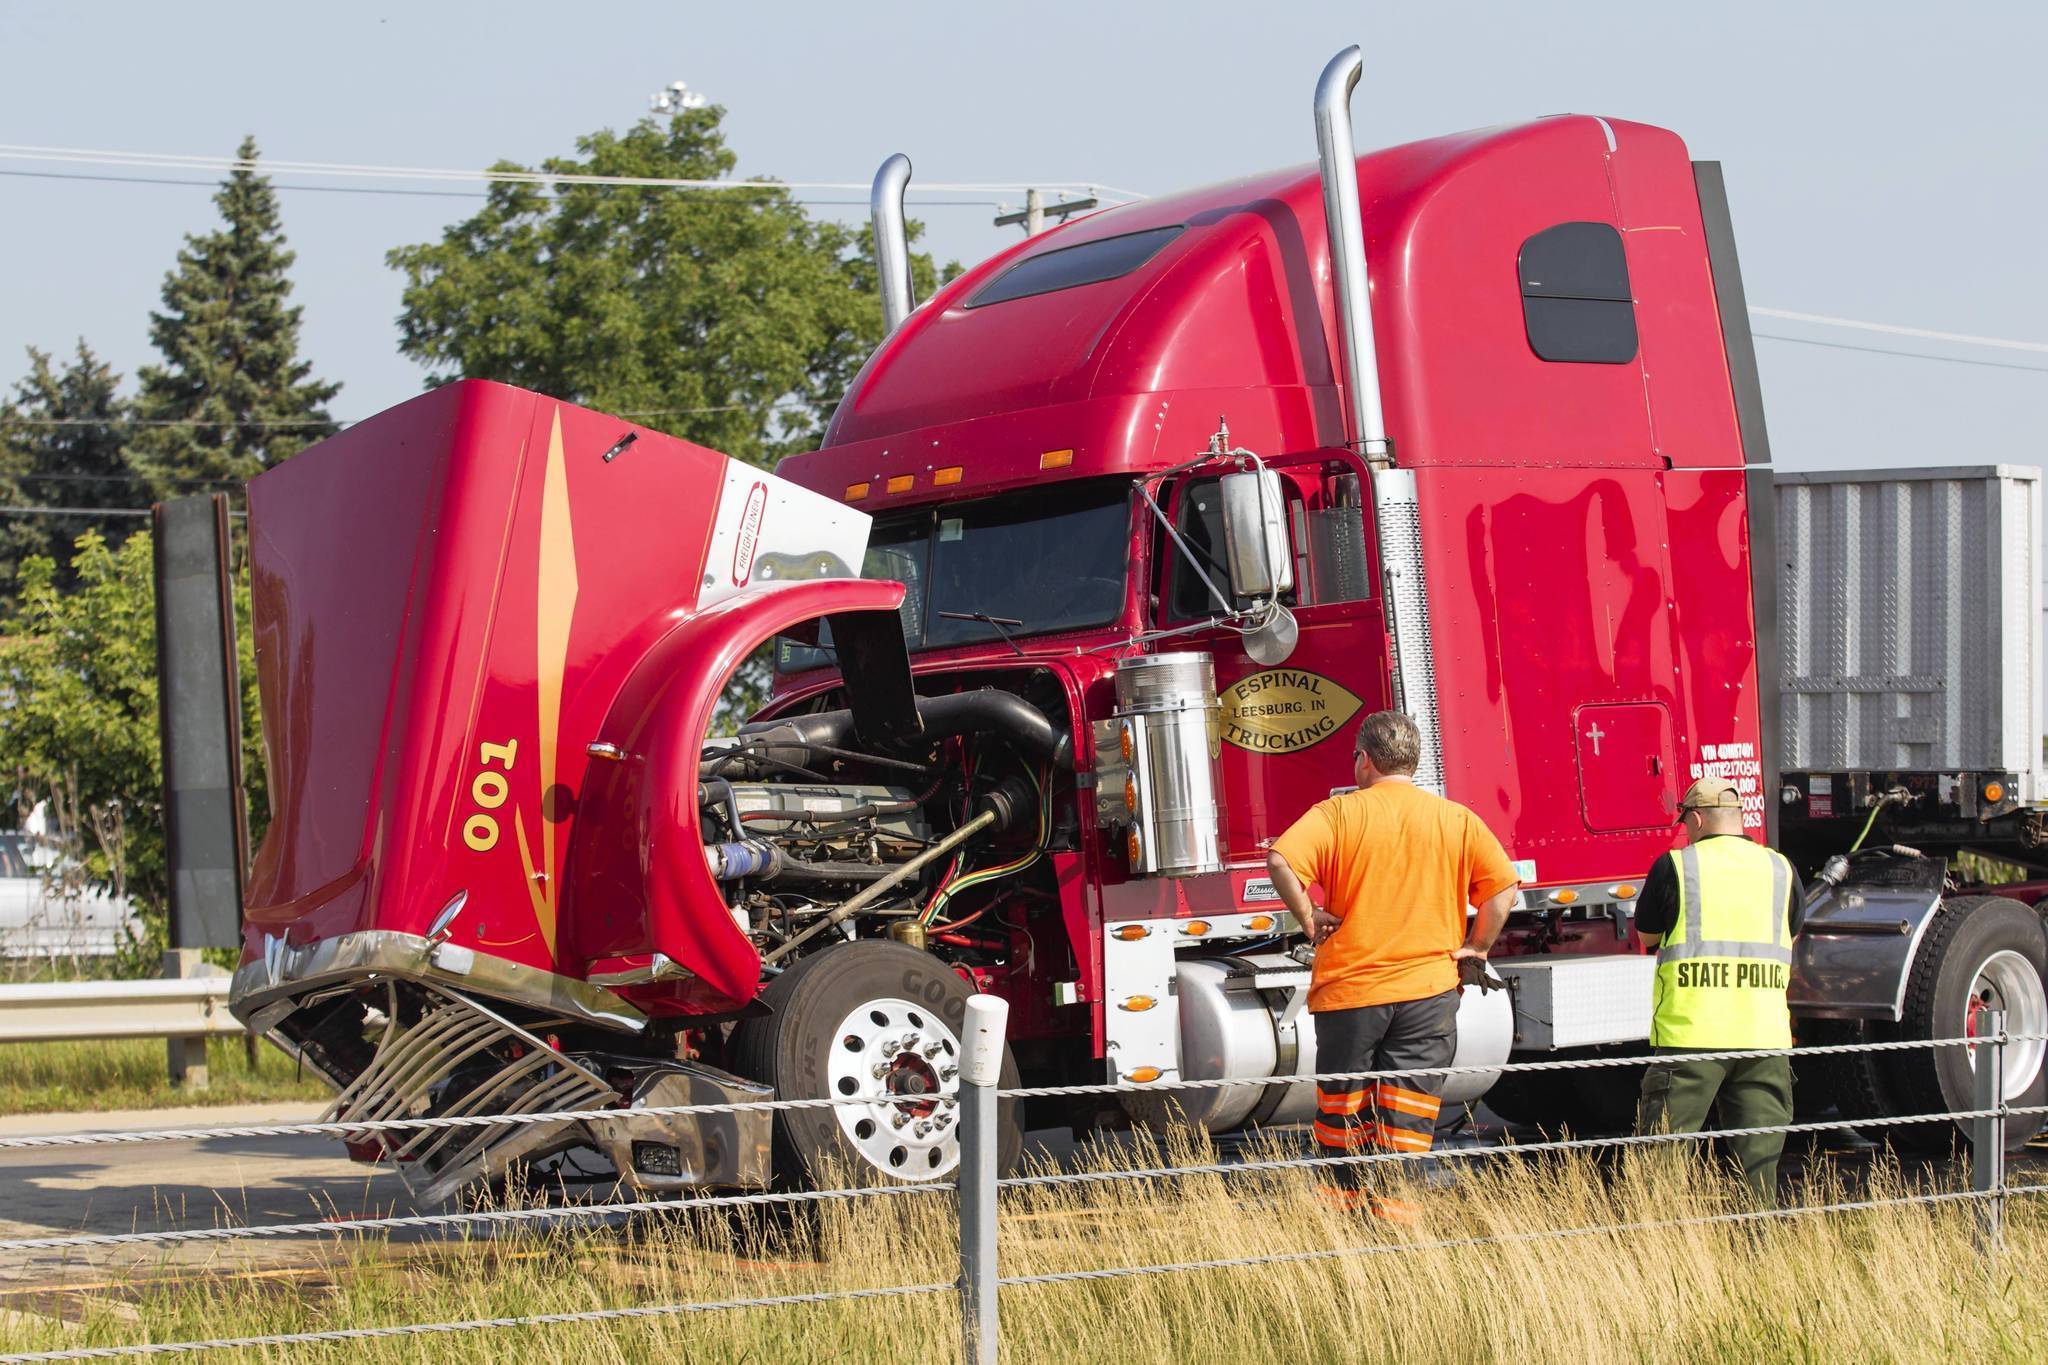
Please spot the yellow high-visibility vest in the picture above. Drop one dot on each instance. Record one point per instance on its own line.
(1723, 968)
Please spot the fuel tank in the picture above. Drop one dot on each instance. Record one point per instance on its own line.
(456, 605)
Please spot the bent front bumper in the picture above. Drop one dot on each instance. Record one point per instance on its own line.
(407, 1029)
(265, 991)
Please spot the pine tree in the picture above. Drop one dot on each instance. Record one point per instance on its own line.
(61, 439)
(230, 343)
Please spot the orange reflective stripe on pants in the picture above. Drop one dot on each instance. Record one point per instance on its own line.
(1414, 1103)
(1403, 1211)
(1342, 1198)
(1396, 1139)
(1340, 1101)
(1347, 1136)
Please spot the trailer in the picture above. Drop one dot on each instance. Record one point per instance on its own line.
(1910, 633)
(1072, 612)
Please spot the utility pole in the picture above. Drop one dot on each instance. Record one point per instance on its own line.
(1036, 211)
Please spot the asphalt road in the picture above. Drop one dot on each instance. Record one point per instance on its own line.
(163, 1186)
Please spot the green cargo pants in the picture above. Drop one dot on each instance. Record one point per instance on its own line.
(1678, 1095)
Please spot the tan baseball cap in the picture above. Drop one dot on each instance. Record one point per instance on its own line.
(1710, 793)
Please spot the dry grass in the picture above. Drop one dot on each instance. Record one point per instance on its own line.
(1901, 1283)
(68, 1077)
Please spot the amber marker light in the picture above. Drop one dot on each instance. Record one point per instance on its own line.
(1143, 1074)
(941, 478)
(1258, 924)
(856, 491)
(1123, 742)
(1130, 794)
(1138, 1004)
(1134, 847)
(1564, 897)
(1056, 459)
(1624, 892)
(1994, 792)
(1195, 928)
(1131, 933)
(901, 483)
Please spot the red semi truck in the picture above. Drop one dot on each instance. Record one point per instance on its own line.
(1072, 612)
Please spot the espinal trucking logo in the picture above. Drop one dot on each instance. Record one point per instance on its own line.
(1281, 710)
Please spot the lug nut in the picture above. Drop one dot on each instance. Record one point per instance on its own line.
(947, 1073)
(879, 1070)
(898, 1120)
(924, 1128)
(933, 1048)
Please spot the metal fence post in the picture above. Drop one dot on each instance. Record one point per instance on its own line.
(187, 1055)
(1987, 1133)
(980, 1070)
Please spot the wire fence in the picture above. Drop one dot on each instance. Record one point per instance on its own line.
(978, 1182)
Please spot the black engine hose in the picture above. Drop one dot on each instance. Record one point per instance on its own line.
(985, 710)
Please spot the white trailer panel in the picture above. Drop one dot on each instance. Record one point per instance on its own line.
(1909, 614)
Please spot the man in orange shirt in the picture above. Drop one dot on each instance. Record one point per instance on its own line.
(1397, 866)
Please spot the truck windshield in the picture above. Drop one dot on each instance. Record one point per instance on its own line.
(1047, 560)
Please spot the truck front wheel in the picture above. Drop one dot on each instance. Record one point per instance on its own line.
(874, 1022)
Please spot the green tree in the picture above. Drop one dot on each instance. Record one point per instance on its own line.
(232, 396)
(726, 317)
(20, 535)
(61, 439)
(78, 715)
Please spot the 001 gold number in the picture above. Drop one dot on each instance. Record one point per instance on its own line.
(489, 790)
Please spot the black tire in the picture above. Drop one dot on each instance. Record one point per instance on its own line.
(1593, 1101)
(1966, 933)
(790, 1048)
(1846, 1084)
(1534, 1099)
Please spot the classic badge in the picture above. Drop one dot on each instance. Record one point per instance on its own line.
(1285, 709)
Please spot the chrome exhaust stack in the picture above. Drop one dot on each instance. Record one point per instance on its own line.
(892, 240)
(1396, 515)
(1339, 160)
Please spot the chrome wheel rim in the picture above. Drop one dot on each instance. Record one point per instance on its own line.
(2007, 981)
(902, 1058)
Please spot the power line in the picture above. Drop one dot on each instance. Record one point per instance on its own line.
(95, 513)
(274, 167)
(805, 199)
(74, 512)
(300, 423)
(8, 419)
(1903, 355)
(120, 478)
(1894, 329)
(89, 156)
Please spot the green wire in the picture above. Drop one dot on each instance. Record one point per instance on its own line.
(970, 880)
(1871, 821)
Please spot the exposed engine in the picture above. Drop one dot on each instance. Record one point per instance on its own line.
(797, 851)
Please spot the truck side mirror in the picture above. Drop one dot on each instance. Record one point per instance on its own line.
(1255, 548)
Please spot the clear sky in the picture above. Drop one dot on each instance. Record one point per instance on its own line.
(1885, 161)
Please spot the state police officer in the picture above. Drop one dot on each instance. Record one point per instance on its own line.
(1721, 913)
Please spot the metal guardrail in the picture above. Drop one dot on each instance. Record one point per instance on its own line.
(977, 1187)
(194, 1007)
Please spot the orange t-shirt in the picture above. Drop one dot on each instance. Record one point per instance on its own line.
(1398, 866)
